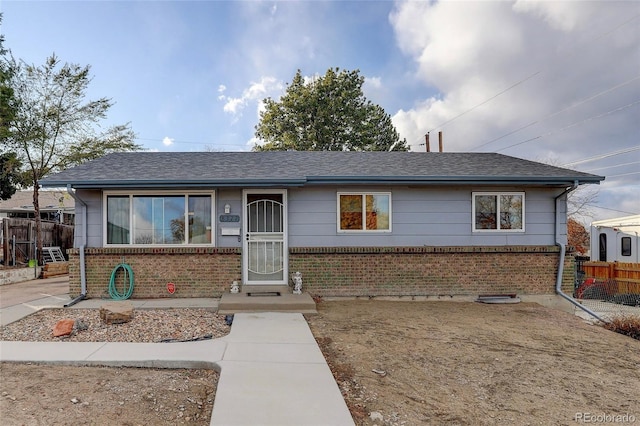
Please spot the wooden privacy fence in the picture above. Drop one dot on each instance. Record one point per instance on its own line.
(19, 237)
(627, 275)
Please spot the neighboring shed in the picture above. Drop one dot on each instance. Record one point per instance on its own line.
(55, 206)
(353, 223)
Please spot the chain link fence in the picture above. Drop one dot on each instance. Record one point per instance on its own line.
(608, 289)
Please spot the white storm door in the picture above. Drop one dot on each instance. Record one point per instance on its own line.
(265, 241)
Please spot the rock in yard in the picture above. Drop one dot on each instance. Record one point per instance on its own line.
(376, 416)
(81, 325)
(63, 327)
(116, 312)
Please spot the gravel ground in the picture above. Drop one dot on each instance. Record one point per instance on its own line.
(38, 394)
(147, 326)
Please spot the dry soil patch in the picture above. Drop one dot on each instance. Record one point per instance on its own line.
(475, 364)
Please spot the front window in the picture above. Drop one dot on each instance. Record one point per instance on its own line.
(159, 219)
(364, 212)
(498, 212)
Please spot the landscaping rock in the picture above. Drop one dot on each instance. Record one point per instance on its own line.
(376, 416)
(116, 312)
(63, 327)
(81, 325)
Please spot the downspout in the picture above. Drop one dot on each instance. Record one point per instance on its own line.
(83, 277)
(562, 256)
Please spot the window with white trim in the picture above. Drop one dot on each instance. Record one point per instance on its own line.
(364, 211)
(159, 219)
(498, 211)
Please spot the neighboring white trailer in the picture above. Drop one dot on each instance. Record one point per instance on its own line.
(616, 240)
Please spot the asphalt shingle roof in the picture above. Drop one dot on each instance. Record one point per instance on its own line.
(172, 169)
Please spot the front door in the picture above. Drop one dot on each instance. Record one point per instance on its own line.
(265, 242)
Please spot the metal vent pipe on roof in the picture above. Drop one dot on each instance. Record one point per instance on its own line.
(440, 140)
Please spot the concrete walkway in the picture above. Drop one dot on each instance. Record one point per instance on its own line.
(272, 372)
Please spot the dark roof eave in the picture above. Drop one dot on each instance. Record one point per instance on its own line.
(113, 184)
(468, 180)
(333, 180)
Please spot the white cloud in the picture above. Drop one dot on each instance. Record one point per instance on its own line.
(233, 105)
(530, 79)
(559, 14)
(222, 88)
(167, 141)
(255, 93)
(374, 82)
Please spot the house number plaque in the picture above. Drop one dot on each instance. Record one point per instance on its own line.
(229, 218)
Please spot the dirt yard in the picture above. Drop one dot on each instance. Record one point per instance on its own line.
(397, 363)
(70, 395)
(409, 363)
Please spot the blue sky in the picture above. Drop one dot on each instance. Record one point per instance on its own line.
(548, 81)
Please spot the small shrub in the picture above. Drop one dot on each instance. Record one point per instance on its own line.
(627, 325)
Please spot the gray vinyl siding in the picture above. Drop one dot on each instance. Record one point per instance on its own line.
(93, 199)
(233, 197)
(433, 216)
(428, 216)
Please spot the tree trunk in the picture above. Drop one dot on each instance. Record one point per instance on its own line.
(36, 210)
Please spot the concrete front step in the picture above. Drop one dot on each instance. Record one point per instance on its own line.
(282, 289)
(286, 302)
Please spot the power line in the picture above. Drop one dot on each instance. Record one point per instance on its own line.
(188, 142)
(571, 125)
(613, 210)
(486, 101)
(589, 42)
(597, 95)
(624, 174)
(611, 167)
(601, 156)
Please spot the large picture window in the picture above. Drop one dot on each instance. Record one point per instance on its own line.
(364, 212)
(159, 219)
(498, 211)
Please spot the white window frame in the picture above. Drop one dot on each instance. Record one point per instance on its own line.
(497, 195)
(131, 194)
(364, 207)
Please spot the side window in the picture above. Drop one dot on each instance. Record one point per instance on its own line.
(625, 248)
(498, 211)
(602, 246)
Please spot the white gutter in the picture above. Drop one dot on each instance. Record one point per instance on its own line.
(562, 256)
(83, 275)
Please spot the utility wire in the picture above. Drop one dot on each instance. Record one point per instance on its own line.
(588, 43)
(486, 101)
(571, 125)
(624, 174)
(601, 156)
(597, 95)
(188, 142)
(611, 167)
(613, 210)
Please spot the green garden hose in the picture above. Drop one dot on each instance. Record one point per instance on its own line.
(127, 291)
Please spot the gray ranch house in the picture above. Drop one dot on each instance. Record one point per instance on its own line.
(352, 223)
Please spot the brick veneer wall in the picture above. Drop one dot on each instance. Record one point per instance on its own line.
(430, 271)
(196, 272)
(333, 271)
